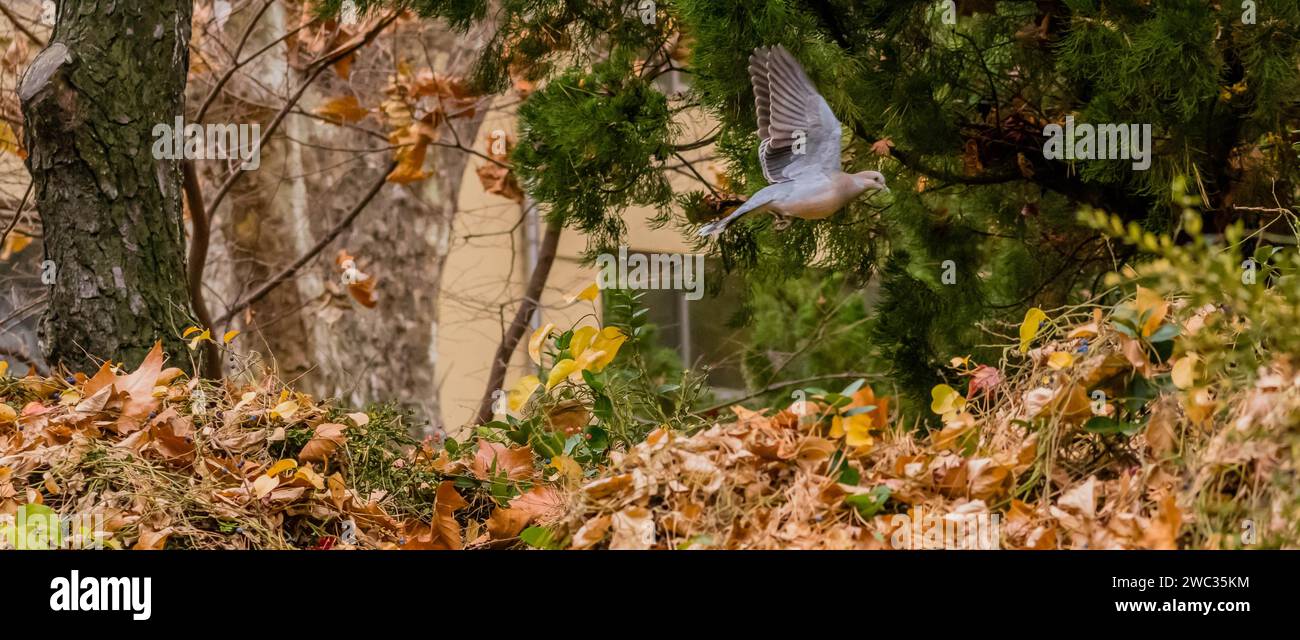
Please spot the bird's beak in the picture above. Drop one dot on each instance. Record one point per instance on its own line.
(884, 188)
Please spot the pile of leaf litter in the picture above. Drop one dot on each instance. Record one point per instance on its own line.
(152, 459)
(1099, 428)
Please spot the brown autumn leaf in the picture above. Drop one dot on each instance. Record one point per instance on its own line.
(634, 529)
(343, 109)
(496, 459)
(1160, 429)
(1163, 531)
(328, 437)
(361, 286)
(172, 435)
(499, 181)
(444, 532)
(151, 540)
(570, 417)
(137, 390)
(364, 292)
(496, 177)
(540, 503)
(102, 379)
(591, 532)
(410, 160)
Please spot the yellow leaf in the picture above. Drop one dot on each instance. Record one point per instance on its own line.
(1060, 360)
(1184, 372)
(535, 342)
(569, 468)
(1153, 307)
(9, 142)
(560, 371)
(281, 466)
(855, 429)
(609, 341)
(944, 399)
(1199, 405)
(194, 342)
(230, 335)
(285, 410)
(310, 476)
(189, 331)
(14, 243)
(7, 414)
(582, 337)
(589, 358)
(522, 391)
(589, 293)
(1029, 327)
(4, 368)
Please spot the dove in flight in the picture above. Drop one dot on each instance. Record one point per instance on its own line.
(800, 148)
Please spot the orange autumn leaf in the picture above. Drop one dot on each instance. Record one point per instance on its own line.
(540, 503)
(496, 459)
(137, 388)
(499, 181)
(410, 162)
(328, 436)
(364, 293)
(343, 109)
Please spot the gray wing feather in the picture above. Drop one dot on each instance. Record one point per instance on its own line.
(789, 110)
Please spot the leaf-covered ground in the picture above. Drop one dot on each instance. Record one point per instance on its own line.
(1103, 434)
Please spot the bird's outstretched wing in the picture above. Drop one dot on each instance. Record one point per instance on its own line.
(799, 132)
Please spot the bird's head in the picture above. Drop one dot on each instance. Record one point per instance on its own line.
(872, 180)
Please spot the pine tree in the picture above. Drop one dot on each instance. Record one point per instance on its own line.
(952, 100)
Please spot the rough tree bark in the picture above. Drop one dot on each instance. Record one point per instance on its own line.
(111, 212)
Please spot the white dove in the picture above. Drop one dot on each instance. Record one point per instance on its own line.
(800, 148)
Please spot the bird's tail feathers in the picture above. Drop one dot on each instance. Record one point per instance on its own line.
(718, 226)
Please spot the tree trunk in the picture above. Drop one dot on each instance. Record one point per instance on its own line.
(519, 326)
(309, 329)
(111, 212)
